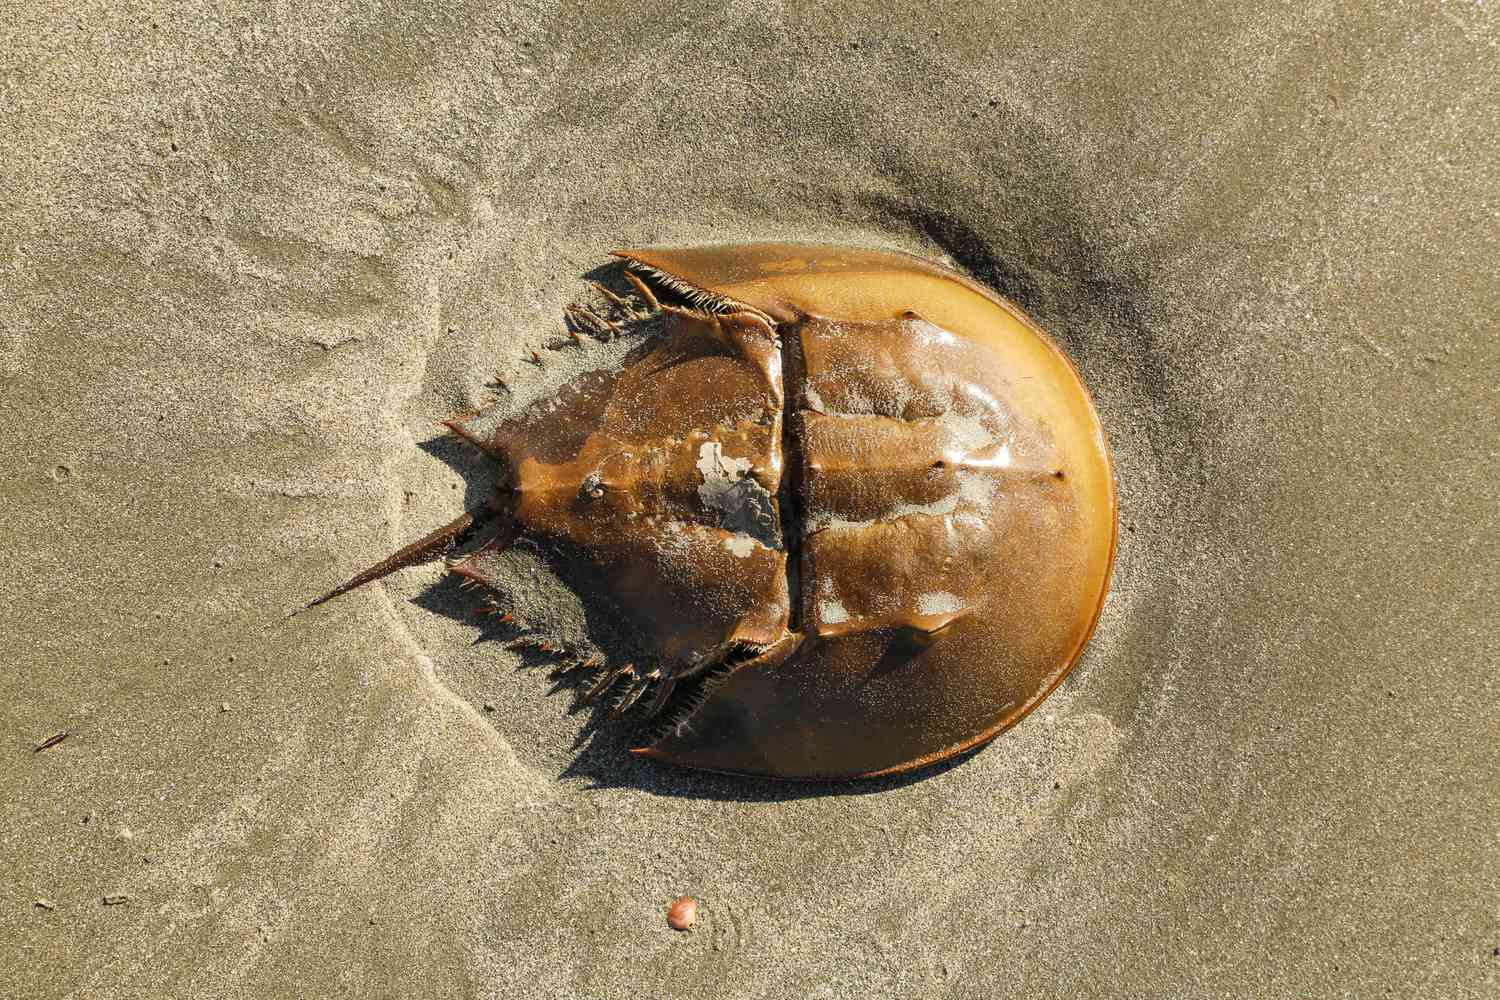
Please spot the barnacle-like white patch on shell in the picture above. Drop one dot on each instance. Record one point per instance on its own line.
(740, 545)
(938, 602)
(742, 504)
(831, 612)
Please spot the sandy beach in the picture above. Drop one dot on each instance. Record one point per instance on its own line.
(252, 256)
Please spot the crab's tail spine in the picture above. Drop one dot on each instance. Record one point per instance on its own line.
(427, 547)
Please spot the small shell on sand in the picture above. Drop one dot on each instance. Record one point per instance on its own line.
(683, 913)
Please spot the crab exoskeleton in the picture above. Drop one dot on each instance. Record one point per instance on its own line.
(860, 508)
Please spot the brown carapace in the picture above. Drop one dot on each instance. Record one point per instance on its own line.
(860, 508)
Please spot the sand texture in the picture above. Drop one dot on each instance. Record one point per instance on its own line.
(251, 255)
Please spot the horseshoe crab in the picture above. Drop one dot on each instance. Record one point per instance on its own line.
(860, 507)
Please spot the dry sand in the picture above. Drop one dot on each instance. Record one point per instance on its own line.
(252, 254)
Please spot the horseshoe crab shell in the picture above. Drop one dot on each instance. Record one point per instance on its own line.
(861, 508)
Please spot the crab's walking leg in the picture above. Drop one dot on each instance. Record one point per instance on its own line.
(608, 294)
(645, 290)
(632, 695)
(606, 680)
(660, 696)
(600, 326)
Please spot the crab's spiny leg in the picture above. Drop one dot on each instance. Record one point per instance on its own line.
(602, 325)
(589, 663)
(606, 680)
(632, 695)
(608, 294)
(645, 291)
(660, 695)
(571, 311)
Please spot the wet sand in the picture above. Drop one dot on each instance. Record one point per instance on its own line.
(251, 259)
